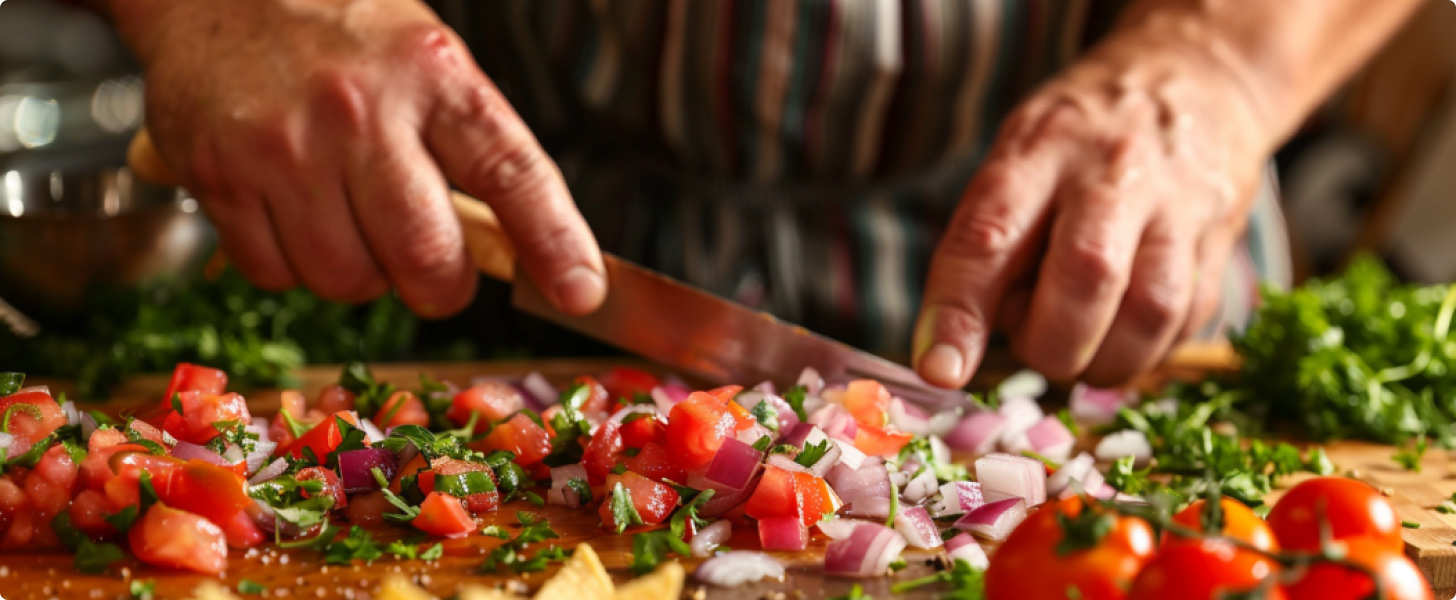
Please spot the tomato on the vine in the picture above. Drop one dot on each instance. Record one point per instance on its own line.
(1206, 569)
(1352, 509)
(1238, 522)
(1400, 579)
(1034, 563)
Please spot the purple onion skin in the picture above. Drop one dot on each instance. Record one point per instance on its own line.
(356, 467)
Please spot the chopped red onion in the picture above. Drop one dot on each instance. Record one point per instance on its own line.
(1072, 470)
(752, 433)
(270, 472)
(1128, 442)
(73, 416)
(812, 382)
(259, 426)
(912, 419)
(1093, 484)
(88, 426)
(915, 526)
(957, 498)
(868, 508)
(748, 399)
(259, 456)
(994, 521)
(709, 538)
(724, 498)
(836, 422)
(850, 456)
(783, 461)
(871, 480)
(233, 454)
(1126, 498)
(1049, 437)
(539, 390)
(190, 451)
(783, 533)
(964, 547)
(821, 467)
(732, 569)
(1013, 475)
(734, 465)
(1097, 407)
(1025, 383)
(804, 435)
(920, 487)
(356, 468)
(1021, 413)
(867, 552)
(977, 433)
(561, 493)
(939, 452)
(838, 528)
(372, 434)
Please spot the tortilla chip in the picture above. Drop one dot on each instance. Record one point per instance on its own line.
(212, 590)
(666, 583)
(397, 587)
(475, 592)
(581, 578)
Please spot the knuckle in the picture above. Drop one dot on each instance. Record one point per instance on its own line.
(986, 230)
(431, 251)
(962, 321)
(1089, 266)
(276, 141)
(340, 95)
(510, 168)
(1154, 307)
(431, 46)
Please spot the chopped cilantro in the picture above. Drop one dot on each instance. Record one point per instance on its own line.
(1410, 459)
(856, 592)
(535, 499)
(10, 382)
(142, 590)
(812, 453)
(583, 491)
(406, 512)
(649, 548)
(512, 553)
(433, 552)
(248, 586)
(766, 415)
(795, 397)
(358, 545)
(496, 531)
(123, 519)
(624, 513)
(965, 582)
(763, 443)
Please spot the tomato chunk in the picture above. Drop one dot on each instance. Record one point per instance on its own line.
(597, 396)
(443, 515)
(696, 428)
(200, 410)
(520, 436)
(122, 489)
(187, 377)
(602, 452)
(880, 442)
(334, 398)
(869, 402)
(31, 415)
(624, 383)
(477, 503)
(323, 438)
(781, 493)
(178, 539)
(654, 501)
(241, 532)
(49, 484)
(332, 486)
(655, 463)
(638, 432)
(89, 511)
(210, 491)
(402, 408)
(494, 401)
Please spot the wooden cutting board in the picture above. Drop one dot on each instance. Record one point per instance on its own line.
(297, 573)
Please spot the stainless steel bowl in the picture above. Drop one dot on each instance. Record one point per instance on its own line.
(64, 235)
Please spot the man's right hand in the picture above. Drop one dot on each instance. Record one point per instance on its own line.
(319, 136)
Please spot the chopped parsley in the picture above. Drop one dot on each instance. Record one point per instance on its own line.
(1410, 459)
(582, 489)
(406, 512)
(766, 415)
(512, 554)
(248, 586)
(795, 398)
(763, 443)
(812, 453)
(496, 531)
(624, 513)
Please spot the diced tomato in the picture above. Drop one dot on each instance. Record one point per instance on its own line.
(880, 442)
(624, 383)
(334, 398)
(188, 377)
(477, 503)
(741, 416)
(654, 501)
(638, 432)
(147, 432)
(696, 428)
(122, 489)
(726, 393)
(200, 410)
(654, 462)
(16, 523)
(520, 436)
(323, 438)
(602, 452)
(332, 486)
(89, 511)
(104, 438)
(494, 401)
(597, 397)
(815, 498)
(402, 408)
(33, 415)
(49, 485)
(241, 532)
(367, 510)
(411, 468)
(869, 402)
(781, 493)
(443, 515)
(201, 488)
(177, 539)
(96, 469)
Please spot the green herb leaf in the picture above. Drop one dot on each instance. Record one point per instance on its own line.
(582, 489)
(248, 586)
(795, 398)
(496, 531)
(766, 415)
(11, 382)
(624, 513)
(812, 453)
(142, 590)
(763, 443)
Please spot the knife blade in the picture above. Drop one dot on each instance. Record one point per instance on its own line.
(691, 330)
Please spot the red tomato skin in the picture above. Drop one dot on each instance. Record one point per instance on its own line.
(519, 435)
(624, 383)
(215, 493)
(332, 486)
(696, 428)
(17, 525)
(23, 422)
(602, 452)
(411, 413)
(880, 442)
(869, 402)
(640, 432)
(49, 484)
(200, 410)
(1027, 566)
(815, 498)
(1352, 508)
(367, 510)
(167, 537)
(187, 377)
(1400, 578)
(1206, 570)
(597, 396)
(122, 488)
(654, 501)
(89, 511)
(334, 398)
(241, 532)
(494, 401)
(655, 463)
(1240, 523)
(444, 516)
(415, 467)
(322, 439)
(476, 503)
(777, 495)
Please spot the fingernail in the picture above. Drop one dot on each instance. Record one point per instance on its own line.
(580, 290)
(942, 364)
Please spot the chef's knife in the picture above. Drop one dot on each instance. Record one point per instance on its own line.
(665, 320)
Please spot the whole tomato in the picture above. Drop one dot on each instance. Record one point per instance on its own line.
(1237, 521)
(1400, 579)
(1352, 509)
(1035, 564)
(1204, 570)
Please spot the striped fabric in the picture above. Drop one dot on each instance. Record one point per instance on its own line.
(799, 156)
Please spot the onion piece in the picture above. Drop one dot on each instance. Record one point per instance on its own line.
(812, 382)
(911, 419)
(190, 451)
(734, 465)
(838, 528)
(994, 521)
(1025, 383)
(73, 416)
(821, 467)
(920, 487)
(88, 426)
(724, 498)
(915, 526)
(752, 433)
(1072, 470)
(836, 422)
(782, 533)
(356, 468)
(1097, 407)
(958, 498)
(1050, 437)
(6, 440)
(259, 456)
(868, 508)
(804, 435)
(1013, 475)
(270, 472)
(371, 431)
(977, 433)
(732, 569)
(260, 426)
(964, 547)
(867, 552)
(1021, 413)
(709, 538)
(1128, 442)
(539, 390)
(871, 480)
(850, 456)
(783, 461)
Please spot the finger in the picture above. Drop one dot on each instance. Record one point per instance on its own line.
(238, 213)
(1081, 280)
(1217, 249)
(485, 149)
(403, 207)
(1016, 302)
(322, 241)
(989, 241)
(1153, 310)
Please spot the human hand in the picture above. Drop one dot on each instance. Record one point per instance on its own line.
(319, 136)
(1098, 227)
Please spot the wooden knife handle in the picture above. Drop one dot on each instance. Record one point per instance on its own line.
(485, 240)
